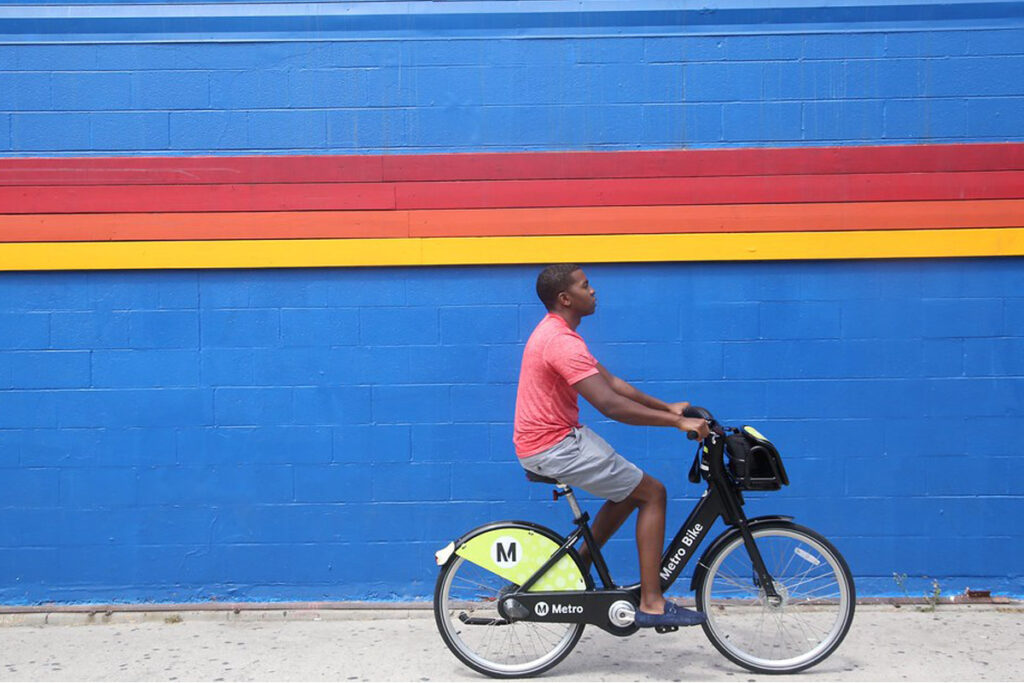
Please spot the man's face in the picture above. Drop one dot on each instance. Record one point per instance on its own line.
(581, 294)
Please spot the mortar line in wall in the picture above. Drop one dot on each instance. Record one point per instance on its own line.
(571, 36)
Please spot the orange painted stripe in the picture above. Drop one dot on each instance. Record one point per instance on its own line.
(718, 218)
(203, 226)
(513, 222)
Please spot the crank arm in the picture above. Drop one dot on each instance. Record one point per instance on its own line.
(477, 621)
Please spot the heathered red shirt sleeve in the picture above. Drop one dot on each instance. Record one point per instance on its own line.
(547, 407)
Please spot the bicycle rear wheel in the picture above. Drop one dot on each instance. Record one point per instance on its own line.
(466, 610)
(816, 608)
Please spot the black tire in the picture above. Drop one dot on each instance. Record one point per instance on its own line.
(501, 650)
(818, 599)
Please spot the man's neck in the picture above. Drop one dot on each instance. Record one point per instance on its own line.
(571, 318)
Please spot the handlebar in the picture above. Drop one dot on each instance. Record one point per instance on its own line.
(708, 448)
(704, 414)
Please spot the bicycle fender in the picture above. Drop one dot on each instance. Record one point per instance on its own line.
(515, 550)
(725, 537)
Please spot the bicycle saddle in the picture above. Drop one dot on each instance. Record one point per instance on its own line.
(539, 479)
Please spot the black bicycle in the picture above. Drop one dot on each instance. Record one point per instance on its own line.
(512, 599)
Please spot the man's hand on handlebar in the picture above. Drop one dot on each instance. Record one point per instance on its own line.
(696, 428)
(679, 407)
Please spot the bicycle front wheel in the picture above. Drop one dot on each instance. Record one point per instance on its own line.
(809, 621)
(466, 611)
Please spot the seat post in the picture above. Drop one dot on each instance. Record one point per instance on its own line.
(583, 531)
(566, 490)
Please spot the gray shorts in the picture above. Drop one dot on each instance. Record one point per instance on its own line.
(585, 460)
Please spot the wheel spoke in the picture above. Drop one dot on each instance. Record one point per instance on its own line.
(737, 582)
(477, 584)
(508, 649)
(814, 605)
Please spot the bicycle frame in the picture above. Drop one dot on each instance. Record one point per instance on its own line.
(720, 500)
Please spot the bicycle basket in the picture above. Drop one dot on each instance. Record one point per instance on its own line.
(754, 461)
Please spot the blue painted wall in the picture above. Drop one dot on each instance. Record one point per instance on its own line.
(413, 78)
(317, 434)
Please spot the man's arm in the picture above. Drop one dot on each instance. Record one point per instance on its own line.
(624, 388)
(602, 395)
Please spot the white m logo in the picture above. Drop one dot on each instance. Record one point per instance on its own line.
(506, 552)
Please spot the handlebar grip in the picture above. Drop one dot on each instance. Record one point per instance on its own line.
(697, 411)
(702, 413)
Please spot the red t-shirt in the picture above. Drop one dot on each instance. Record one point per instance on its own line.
(547, 407)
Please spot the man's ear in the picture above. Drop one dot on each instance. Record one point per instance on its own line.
(563, 298)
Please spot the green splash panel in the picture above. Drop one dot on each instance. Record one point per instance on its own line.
(516, 554)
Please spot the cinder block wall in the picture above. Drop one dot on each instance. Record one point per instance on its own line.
(855, 73)
(316, 434)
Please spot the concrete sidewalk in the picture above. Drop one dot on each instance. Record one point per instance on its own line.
(953, 643)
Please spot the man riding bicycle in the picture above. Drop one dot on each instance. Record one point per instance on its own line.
(549, 440)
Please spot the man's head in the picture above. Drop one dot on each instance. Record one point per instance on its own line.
(566, 285)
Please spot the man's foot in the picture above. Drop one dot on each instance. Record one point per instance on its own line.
(674, 616)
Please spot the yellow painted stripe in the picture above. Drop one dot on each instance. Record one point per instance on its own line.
(508, 250)
(728, 246)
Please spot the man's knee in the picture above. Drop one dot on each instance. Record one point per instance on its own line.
(650, 490)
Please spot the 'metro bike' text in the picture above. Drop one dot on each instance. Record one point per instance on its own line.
(687, 540)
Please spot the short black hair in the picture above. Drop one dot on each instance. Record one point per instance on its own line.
(554, 280)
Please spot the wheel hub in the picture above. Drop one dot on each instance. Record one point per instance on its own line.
(775, 603)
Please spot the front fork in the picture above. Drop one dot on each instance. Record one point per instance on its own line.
(732, 502)
(762, 579)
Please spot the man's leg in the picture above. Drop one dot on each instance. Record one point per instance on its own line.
(650, 497)
(608, 520)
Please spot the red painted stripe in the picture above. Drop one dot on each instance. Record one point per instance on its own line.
(186, 198)
(191, 170)
(516, 193)
(721, 190)
(509, 166)
(697, 163)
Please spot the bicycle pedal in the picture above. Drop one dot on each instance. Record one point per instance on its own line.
(666, 629)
